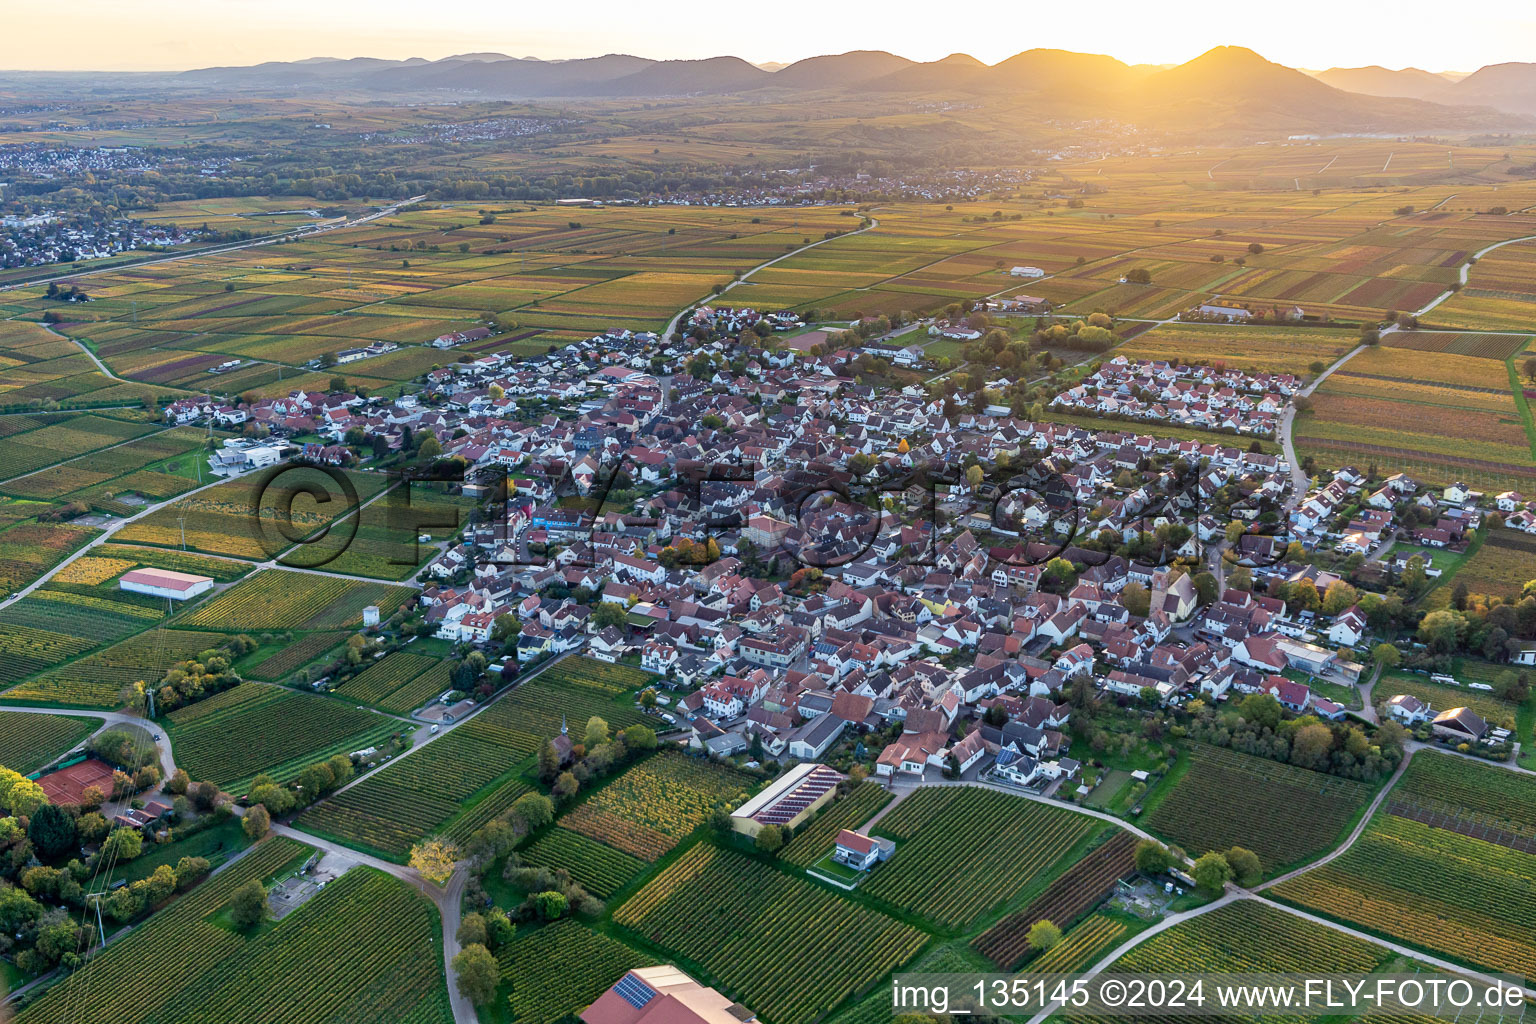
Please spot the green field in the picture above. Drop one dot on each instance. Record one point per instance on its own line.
(742, 921)
(1282, 813)
(369, 929)
(27, 741)
(253, 728)
(963, 851)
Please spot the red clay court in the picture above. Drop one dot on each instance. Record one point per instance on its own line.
(65, 785)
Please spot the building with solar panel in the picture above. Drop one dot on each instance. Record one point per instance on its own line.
(663, 995)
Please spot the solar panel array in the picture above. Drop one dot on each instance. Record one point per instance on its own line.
(634, 991)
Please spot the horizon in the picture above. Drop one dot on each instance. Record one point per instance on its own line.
(770, 64)
(176, 35)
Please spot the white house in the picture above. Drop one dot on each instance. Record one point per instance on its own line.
(1348, 627)
(860, 852)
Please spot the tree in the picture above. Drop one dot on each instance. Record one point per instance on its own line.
(498, 928)
(123, 843)
(549, 904)
(1245, 865)
(53, 833)
(1205, 587)
(1043, 935)
(1136, 599)
(178, 782)
(248, 906)
(434, 859)
(1386, 655)
(974, 475)
(257, 822)
(430, 448)
(770, 839)
(565, 786)
(536, 809)
(549, 762)
(477, 972)
(472, 930)
(1152, 857)
(608, 613)
(639, 739)
(1441, 630)
(1340, 597)
(596, 732)
(1310, 746)
(1212, 873)
(1260, 710)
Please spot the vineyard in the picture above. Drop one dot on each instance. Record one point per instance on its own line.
(221, 569)
(28, 741)
(1245, 937)
(1502, 566)
(367, 928)
(254, 728)
(97, 681)
(238, 517)
(384, 677)
(1503, 796)
(561, 968)
(284, 599)
(27, 550)
(419, 690)
(440, 785)
(1282, 813)
(178, 938)
(416, 794)
(657, 803)
(1434, 888)
(963, 850)
(789, 949)
(81, 616)
(601, 869)
(294, 656)
(1078, 890)
(29, 650)
(815, 838)
(876, 1007)
(1081, 947)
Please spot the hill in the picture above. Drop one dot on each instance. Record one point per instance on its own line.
(1235, 89)
(1509, 87)
(1375, 80)
(844, 69)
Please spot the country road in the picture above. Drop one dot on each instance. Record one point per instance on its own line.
(221, 249)
(672, 324)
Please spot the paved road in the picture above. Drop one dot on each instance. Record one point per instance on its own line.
(218, 250)
(1359, 828)
(1299, 479)
(83, 347)
(1398, 948)
(1467, 266)
(672, 324)
(1235, 893)
(109, 719)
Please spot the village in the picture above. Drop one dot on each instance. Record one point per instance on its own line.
(814, 565)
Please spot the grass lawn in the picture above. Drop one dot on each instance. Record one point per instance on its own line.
(834, 869)
(1108, 792)
(1446, 561)
(218, 844)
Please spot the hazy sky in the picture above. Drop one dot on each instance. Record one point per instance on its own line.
(178, 34)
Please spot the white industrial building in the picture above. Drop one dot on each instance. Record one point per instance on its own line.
(178, 586)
